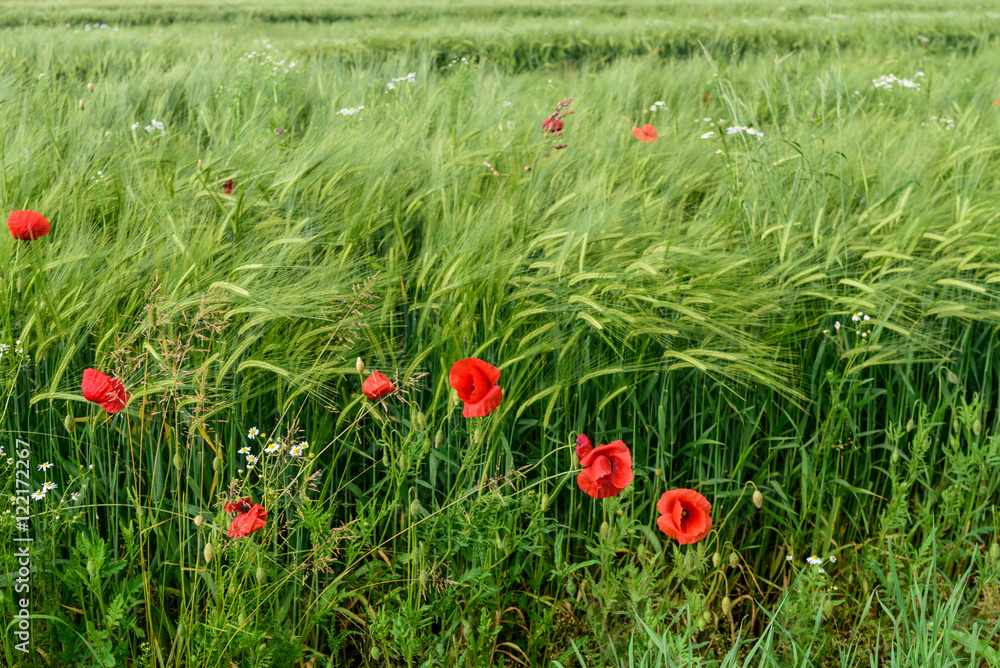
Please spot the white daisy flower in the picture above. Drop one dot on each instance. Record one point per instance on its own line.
(49, 485)
(13, 499)
(253, 433)
(296, 451)
(708, 135)
(251, 460)
(836, 325)
(789, 558)
(273, 448)
(833, 559)
(821, 570)
(38, 496)
(304, 444)
(75, 496)
(45, 466)
(814, 560)
(244, 450)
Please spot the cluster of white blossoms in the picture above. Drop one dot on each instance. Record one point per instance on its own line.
(410, 78)
(350, 111)
(154, 125)
(659, 104)
(5, 348)
(94, 26)
(860, 318)
(888, 81)
(948, 123)
(267, 57)
(274, 447)
(737, 129)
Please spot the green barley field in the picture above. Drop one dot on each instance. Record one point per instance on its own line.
(788, 303)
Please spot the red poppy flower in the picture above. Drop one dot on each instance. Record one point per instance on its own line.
(552, 125)
(684, 515)
(476, 384)
(646, 133)
(607, 469)
(240, 506)
(705, 97)
(27, 225)
(246, 523)
(227, 187)
(377, 386)
(996, 102)
(104, 390)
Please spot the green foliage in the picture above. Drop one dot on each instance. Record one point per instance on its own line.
(692, 297)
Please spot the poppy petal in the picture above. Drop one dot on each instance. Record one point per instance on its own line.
(27, 225)
(583, 446)
(486, 405)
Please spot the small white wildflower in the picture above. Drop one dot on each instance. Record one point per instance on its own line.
(866, 318)
(814, 560)
(836, 325)
(244, 450)
(13, 499)
(789, 558)
(135, 126)
(304, 444)
(46, 466)
(273, 448)
(708, 135)
(75, 496)
(833, 559)
(821, 570)
(253, 433)
(46, 486)
(296, 451)
(38, 496)
(91, 467)
(251, 460)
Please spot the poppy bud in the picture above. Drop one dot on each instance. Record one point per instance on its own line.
(375, 653)
(956, 425)
(977, 427)
(423, 579)
(421, 421)
(727, 605)
(641, 551)
(909, 425)
(69, 422)
(81, 105)
(630, 532)
(178, 461)
(90, 87)
(425, 448)
(241, 619)
(198, 520)
(385, 459)
(995, 552)
(261, 575)
(605, 530)
(477, 436)
(199, 165)
(758, 498)
(208, 553)
(707, 617)
(734, 561)
(527, 168)
(217, 464)
(716, 559)
(415, 507)
(895, 456)
(952, 376)
(360, 366)
(403, 462)
(466, 629)
(439, 439)
(92, 568)
(828, 607)
(233, 590)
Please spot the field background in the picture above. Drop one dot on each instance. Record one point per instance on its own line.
(679, 295)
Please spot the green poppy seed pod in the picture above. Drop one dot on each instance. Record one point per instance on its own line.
(241, 619)
(415, 507)
(217, 464)
(439, 438)
(641, 551)
(956, 425)
(995, 552)
(716, 559)
(952, 376)
(545, 502)
(404, 463)
(630, 532)
(707, 617)
(90, 87)
(198, 520)
(421, 421)
(910, 426)
(758, 498)
(81, 105)
(375, 653)
(425, 449)
(734, 560)
(261, 575)
(571, 588)
(895, 456)
(977, 427)
(701, 624)
(92, 568)
(477, 435)
(232, 590)
(178, 461)
(727, 605)
(385, 458)
(69, 423)
(827, 607)
(605, 530)
(360, 366)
